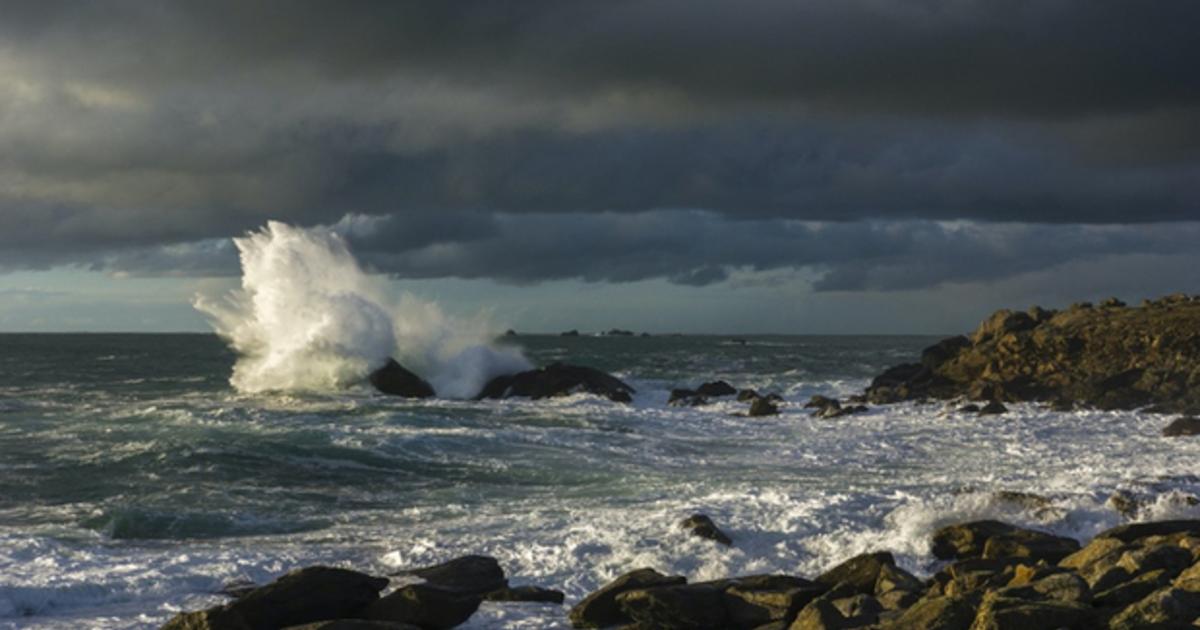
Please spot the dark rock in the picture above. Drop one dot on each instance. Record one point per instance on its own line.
(1003, 322)
(525, 594)
(758, 600)
(949, 612)
(821, 402)
(682, 607)
(943, 351)
(1182, 426)
(510, 333)
(1002, 613)
(686, 398)
(618, 332)
(747, 395)
(1165, 608)
(558, 379)
(570, 333)
(993, 408)
(762, 407)
(969, 408)
(1134, 531)
(701, 525)
(600, 608)
(426, 605)
(395, 380)
(468, 574)
(861, 572)
(354, 624)
(1030, 544)
(299, 597)
(838, 412)
(892, 577)
(819, 615)
(1112, 302)
(1133, 590)
(716, 389)
(237, 589)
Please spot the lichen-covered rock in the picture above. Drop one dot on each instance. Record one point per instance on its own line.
(967, 540)
(1026, 543)
(600, 608)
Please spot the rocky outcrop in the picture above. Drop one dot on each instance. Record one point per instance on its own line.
(600, 609)
(396, 380)
(1111, 357)
(683, 397)
(473, 575)
(558, 379)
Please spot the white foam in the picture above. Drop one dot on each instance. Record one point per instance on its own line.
(307, 317)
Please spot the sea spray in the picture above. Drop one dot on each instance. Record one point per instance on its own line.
(308, 317)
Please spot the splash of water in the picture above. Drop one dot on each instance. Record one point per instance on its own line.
(307, 317)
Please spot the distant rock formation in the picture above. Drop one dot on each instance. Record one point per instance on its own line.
(1108, 357)
(396, 380)
(558, 379)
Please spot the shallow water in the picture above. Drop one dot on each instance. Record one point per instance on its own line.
(135, 482)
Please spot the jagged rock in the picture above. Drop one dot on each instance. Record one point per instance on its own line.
(860, 572)
(892, 577)
(762, 407)
(758, 600)
(558, 379)
(600, 608)
(468, 574)
(395, 380)
(1182, 426)
(943, 351)
(701, 525)
(859, 610)
(525, 594)
(299, 597)
(898, 599)
(1112, 302)
(819, 615)
(1108, 358)
(429, 606)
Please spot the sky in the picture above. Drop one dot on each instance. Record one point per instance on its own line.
(798, 166)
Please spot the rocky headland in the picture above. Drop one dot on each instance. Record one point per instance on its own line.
(1105, 356)
(995, 576)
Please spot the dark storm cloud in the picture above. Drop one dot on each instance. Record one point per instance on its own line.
(543, 140)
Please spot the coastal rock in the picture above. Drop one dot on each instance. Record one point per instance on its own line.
(299, 597)
(558, 379)
(701, 525)
(526, 594)
(967, 540)
(1186, 425)
(395, 380)
(1006, 613)
(757, 600)
(716, 389)
(682, 607)
(947, 612)
(993, 408)
(467, 574)
(1165, 608)
(762, 407)
(860, 572)
(426, 605)
(1109, 358)
(600, 608)
(354, 624)
(1135, 531)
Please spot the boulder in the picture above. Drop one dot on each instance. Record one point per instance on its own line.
(1134, 531)
(1186, 425)
(701, 525)
(354, 624)
(525, 594)
(429, 606)
(467, 574)
(299, 597)
(1002, 613)
(395, 380)
(860, 572)
(967, 540)
(600, 608)
(758, 600)
(762, 407)
(948, 612)
(993, 408)
(681, 607)
(558, 379)
(1031, 544)
(1165, 608)
(892, 577)
(820, 615)
(686, 398)
(716, 389)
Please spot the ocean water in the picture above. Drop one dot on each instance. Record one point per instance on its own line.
(135, 481)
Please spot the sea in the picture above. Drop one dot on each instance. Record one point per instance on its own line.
(137, 480)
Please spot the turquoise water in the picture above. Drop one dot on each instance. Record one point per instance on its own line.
(134, 481)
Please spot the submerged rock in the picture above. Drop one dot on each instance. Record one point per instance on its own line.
(396, 380)
(762, 407)
(703, 526)
(558, 379)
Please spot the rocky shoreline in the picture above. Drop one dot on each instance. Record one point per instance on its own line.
(996, 576)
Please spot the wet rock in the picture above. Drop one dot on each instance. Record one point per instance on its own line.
(819, 615)
(993, 408)
(1134, 531)
(1133, 590)
(600, 608)
(686, 398)
(558, 379)
(299, 597)
(716, 389)
(525, 594)
(838, 412)
(395, 380)
(860, 572)
(967, 540)
(762, 407)
(819, 402)
(701, 525)
(892, 577)
(1182, 426)
(1124, 503)
(747, 395)
(969, 408)
(758, 600)
(951, 612)
(859, 610)
(429, 606)
(467, 574)
(682, 607)
(1164, 608)
(898, 599)
(1030, 544)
